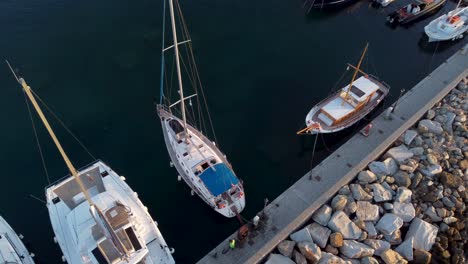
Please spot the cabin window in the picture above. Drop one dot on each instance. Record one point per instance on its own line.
(197, 172)
(213, 161)
(104, 173)
(185, 154)
(98, 256)
(358, 92)
(205, 166)
(56, 200)
(133, 239)
(179, 141)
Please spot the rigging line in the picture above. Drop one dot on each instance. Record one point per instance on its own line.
(189, 45)
(324, 143)
(333, 88)
(37, 198)
(313, 154)
(63, 125)
(432, 58)
(37, 139)
(162, 54)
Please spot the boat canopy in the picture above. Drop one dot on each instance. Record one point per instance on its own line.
(362, 88)
(218, 178)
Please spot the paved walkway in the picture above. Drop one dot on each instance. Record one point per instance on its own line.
(295, 206)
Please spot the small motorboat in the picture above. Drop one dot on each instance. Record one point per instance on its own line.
(450, 26)
(414, 11)
(325, 4)
(348, 105)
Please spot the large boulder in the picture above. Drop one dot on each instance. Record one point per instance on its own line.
(338, 202)
(431, 170)
(299, 258)
(404, 210)
(421, 256)
(301, 235)
(328, 258)
(369, 260)
(354, 249)
(336, 239)
(322, 215)
(367, 211)
(405, 249)
(358, 193)
(423, 234)
(370, 229)
(403, 195)
(386, 167)
(319, 234)
(367, 176)
(402, 179)
(392, 257)
(340, 222)
(429, 126)
(381, 194)
(286, 247)
(389, 223)
(278, 259)
(310, 251)
(450, 180)
(409, 136)
(400, 154)
(379, 246)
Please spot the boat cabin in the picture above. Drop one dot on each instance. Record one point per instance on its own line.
(349, 100)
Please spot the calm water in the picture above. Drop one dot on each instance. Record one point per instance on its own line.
(263, 64)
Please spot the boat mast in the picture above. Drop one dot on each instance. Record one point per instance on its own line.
(355, 73)
(70, 166)
(176, 51)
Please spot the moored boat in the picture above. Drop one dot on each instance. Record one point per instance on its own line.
(12, 249)
(197, 159)
(326, 4)
(348, 105)
(96, 217)
(414, 11)
(450, 26)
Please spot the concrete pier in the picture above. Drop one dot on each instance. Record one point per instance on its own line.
(296, 205)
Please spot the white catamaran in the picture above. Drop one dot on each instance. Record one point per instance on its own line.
(450, 26)
(12, 249)
(197, 159)
(348, 105)
(96, 217)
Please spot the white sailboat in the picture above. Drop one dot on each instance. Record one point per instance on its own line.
(450, 26)
(197, 159)
(12, 249)
(348, 105)
(96, 217)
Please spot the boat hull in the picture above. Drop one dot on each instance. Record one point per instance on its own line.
(16, 251)
(328, 4)
(434, 32)
(228, 211)
(394, 18)
(312, 116)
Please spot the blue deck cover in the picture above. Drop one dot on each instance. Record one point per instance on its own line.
(219, 179)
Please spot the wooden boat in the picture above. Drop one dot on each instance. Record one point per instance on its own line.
(348, 105)
(414, 11)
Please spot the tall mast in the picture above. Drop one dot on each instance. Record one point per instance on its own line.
(176, 51)
(355, 72)
(70, 166)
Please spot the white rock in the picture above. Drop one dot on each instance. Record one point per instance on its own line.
(423, 234)
(380, 193)
(431, 170)
(340, 222)
(286, 247)
(354, 249)
(322, 215)
(311, 251)
(400, 154)
(328, 258)
(301, 235)
(389, 223)
(427, 125)
(405, 249)
(387, 167)
(367, 211)
(403, 195)
(379, 246)
(279, 259)
(431, 212)
(320, 234)
(358, 193)
(367, 176)
(392, 257)
(404, 210)
(449, 220)
(409, 136)
(370, 229)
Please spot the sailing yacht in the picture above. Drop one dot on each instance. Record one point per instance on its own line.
(96, 217)
(450, 26)
(348, 105)
(197, 159)
(12, 249)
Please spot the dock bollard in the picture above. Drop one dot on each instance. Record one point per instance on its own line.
(388, 113)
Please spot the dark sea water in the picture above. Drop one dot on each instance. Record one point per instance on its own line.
(264, 64)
